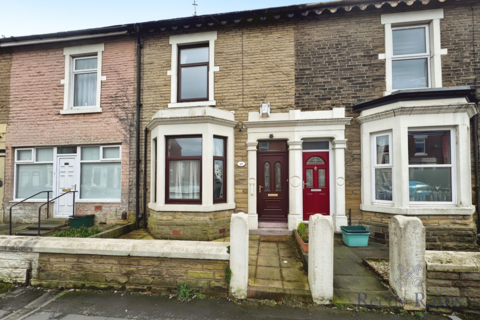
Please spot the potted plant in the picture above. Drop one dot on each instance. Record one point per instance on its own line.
(302, 236)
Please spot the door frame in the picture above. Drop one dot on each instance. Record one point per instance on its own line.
(287, 187)
(56, 192)
(331, 183)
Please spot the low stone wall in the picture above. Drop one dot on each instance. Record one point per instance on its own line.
(443, 232)
(453, 281)
(132, 265)
(200, 226)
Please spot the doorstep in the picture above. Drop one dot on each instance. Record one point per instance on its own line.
(272, 229)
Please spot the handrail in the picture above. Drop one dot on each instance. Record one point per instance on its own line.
(36, 194)
(48, 201)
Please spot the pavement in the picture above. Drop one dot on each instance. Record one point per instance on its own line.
(38, 304)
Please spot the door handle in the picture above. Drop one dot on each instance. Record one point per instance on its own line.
(260, 189)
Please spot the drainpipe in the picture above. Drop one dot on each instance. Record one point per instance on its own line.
(145, 178)
(475, 157)
(137, 133)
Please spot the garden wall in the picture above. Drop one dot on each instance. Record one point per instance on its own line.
(132, 265)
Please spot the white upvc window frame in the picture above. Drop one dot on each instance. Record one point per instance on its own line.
(101, 160)
(429, 18)
(32, 161)
(416, 56)
(190, 39)
(452, 166)
(375, 166)
(81, 52)
(111, 159)
(83, 71)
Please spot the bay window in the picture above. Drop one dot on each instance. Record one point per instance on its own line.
(184, 159)
(430, 166)
(382, 167)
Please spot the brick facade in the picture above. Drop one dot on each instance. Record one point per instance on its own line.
(36, 98)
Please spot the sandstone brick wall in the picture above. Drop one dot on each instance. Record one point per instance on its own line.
(5, 70)
(36, 98)
(443, 232)
(200, 226)
(130, 273)
(453, 290)
(256, 64)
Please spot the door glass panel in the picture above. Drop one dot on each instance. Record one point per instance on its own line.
(278, 176)
(315, 145)
(309, 178)
(66, 150)
(267, 176)
(315, 160)
(321, 178)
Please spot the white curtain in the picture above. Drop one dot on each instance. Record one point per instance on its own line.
(85, 89)
(184, 179)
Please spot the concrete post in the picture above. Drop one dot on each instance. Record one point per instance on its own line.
(407, 261)
(320, 258)
(239, 255)
(252, 185)
(295, 178)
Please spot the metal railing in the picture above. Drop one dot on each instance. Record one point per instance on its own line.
(48, 201)
(40, 208)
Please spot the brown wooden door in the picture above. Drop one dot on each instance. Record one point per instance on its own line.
(272, 193)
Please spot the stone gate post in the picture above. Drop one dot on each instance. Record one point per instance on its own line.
(239, 255)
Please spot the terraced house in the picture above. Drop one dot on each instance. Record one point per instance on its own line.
(354, 109)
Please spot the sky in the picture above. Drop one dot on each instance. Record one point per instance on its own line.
(28, 17)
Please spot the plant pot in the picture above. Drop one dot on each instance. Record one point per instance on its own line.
(76, 222)
(302, 244)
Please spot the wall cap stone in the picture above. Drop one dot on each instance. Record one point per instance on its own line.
(206, 250)
(452, 261)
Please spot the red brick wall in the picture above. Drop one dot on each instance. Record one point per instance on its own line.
(36, 98)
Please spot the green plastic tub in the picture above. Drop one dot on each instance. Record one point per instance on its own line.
(76, 222)
(355, 236)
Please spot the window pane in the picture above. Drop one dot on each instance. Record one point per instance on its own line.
(45, 154)
(24, 155)
(194, 82)
(278, 176)
(184, 179)
(85, 64)
(383, 184)
(111, 153)
(272, 145)
(321, 178)
(267, 176)
(309, 174)
(383, 148)
(409, 41)
(90, 153)
(408, 74)
(218, 147)
(100, 181)
(187, 147)
(33, 178)
(316, 145)
(85, 89)
(315, 160)
(194, 55)
(218, 179)
(67, 150)
(429, 147)
(430, 184)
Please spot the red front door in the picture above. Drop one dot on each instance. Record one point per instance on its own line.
(316, 191)
(272, 202)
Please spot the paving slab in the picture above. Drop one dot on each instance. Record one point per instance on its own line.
(268, 261)
(268, 273)
(351, 267)
(358, 283)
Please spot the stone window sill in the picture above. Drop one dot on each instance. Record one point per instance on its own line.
(421, 210)
(191, 208)
(192, 104)
(81, 110)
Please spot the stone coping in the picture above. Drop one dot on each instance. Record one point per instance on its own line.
(452, 261)
(206, 250)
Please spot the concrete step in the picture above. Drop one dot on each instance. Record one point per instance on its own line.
(278, 294)
(60, 221)
(273, 225)
(45, 226)
(271, 232)
(32, 232)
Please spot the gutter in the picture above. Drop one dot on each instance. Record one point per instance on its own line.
(61, 39)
